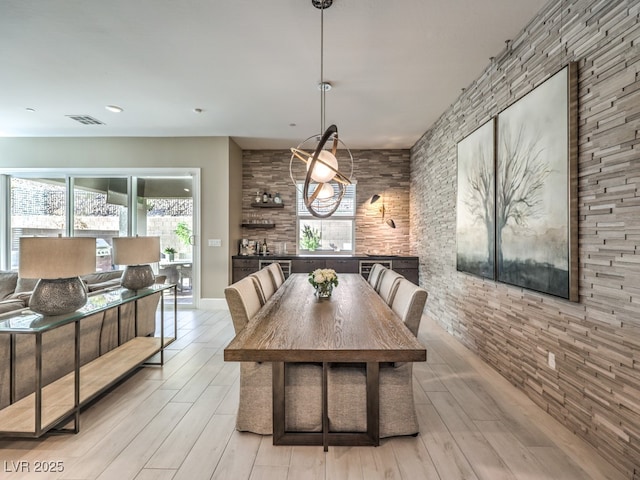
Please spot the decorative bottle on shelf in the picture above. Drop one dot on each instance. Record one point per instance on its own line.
(258, 198)
(265, 197)
(264, 247)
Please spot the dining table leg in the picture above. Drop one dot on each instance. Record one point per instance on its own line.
(277, 371)
(326, 438)
(373, 402)
(325, 407)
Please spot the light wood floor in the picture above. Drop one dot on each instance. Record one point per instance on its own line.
(177, 422)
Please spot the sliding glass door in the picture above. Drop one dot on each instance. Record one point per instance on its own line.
(109, 206)
(38, 208)
(165, 209)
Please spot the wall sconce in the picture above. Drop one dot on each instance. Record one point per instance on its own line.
(382, 210)
(136, 253)
(57, 262)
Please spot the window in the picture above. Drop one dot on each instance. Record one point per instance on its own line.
(334, 235)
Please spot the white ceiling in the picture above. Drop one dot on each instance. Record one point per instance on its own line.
(252, 66)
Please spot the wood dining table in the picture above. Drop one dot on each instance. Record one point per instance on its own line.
(354, 325)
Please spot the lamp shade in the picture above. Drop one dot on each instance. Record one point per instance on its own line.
(136, 250)
(56, 257)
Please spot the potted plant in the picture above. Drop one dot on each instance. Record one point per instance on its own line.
(310, 239)
(170, 253)
(183, 232)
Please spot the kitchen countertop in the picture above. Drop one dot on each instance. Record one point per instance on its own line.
(337, 255)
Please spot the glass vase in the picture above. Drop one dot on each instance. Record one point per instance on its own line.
(324, 290)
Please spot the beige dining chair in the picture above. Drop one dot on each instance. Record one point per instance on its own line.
(277, 275)
(266, 284)
(244, 301)
(347, 384)
(303, 382)
(388, 285)
(408, 303)
(376, 272)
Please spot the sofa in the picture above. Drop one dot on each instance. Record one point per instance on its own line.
(98, 333)
(15, 292)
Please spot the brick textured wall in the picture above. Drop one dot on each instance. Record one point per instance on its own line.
(595, 389)
(376, 171)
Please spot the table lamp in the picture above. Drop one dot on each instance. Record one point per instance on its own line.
(57, 262)
(136, 253)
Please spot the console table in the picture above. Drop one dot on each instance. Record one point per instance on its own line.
(58, 402)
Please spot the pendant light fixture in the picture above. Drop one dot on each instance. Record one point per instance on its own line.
(324, 185)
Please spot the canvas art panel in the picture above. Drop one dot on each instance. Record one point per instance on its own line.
(533, 190)
(475, 210)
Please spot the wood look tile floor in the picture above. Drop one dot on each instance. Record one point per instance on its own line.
(177, 422)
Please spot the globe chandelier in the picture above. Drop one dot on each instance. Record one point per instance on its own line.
(324, 184)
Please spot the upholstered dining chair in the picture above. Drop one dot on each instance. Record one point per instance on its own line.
(266, 284)
(347, 384)
(244, 300)
(303, 382)
(376, 272)
(408, 303)
(388, 285)
(277, 275)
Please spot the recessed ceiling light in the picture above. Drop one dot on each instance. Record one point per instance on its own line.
(114, 108)
(292, 124)
(197, 110)
(29, 109)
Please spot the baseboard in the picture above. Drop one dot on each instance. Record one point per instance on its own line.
(213, 304)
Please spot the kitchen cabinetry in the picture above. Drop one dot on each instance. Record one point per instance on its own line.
(406, 266)
(306, 265)
(244, 266)
(342, 265)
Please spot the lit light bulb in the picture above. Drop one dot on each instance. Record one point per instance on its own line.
(326, 191)
(322, 173)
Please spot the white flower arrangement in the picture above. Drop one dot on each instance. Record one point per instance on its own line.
(323, 276)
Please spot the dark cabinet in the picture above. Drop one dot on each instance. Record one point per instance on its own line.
(306, 265)
(243, 267)
(406, 266)
(342, 265)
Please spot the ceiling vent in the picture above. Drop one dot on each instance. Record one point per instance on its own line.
(86, 119)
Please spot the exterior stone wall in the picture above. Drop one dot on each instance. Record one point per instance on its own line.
(595, 388)
(376, 171)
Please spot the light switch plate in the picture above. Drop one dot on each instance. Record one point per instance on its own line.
(215, 242)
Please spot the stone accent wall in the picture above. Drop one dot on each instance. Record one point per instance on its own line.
(376, 171)
(595, 388)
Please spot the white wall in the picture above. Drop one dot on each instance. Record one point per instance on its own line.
(210, 154)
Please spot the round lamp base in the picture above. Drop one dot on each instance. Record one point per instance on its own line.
(58, 296)
(136, 277)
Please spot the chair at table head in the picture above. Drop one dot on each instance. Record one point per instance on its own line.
(244, 301)
(277, 275)
(266, 284)
(408, 303)
(303, 381)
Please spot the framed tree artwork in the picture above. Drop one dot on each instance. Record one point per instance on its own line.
(475, 206)
(536, 189)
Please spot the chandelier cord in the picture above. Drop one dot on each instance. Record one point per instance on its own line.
(322, 88)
